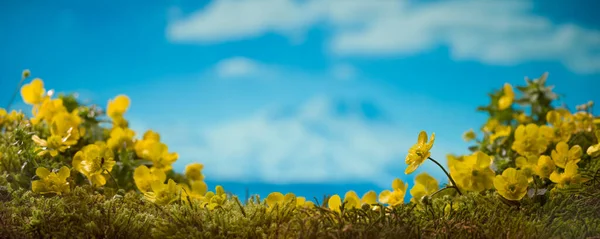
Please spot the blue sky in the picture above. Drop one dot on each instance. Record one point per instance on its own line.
(314, 97)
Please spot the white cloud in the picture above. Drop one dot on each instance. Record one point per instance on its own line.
(494, 32)
(308, 144)
(238, 67)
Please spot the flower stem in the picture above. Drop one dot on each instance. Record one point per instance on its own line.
(447, 174)
(12, 98)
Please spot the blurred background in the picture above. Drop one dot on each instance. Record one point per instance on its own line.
(313, 97)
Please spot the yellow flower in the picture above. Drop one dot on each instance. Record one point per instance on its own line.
(584, 121)
(545, 166)
(66, 125)
(501, 131)
(33, 93)
(214, 200)
(143, 177)
(94, 161)
(507, 99)
(53, 145)
(522, 118)
(562, 123)
(563, 155)
(352, 200)
(369, 198)
(594, 150)
(334, 203)
(47, 110)
(277, 198)
(395, 197)
(527, 165)
(469, 135)
(424, 185)
(569, 176)
(419, 152)
(531, 139)
(118, 106)
(193, 171)
(490, 125)
(3, 116)
(163, 194)
(159, 154)
(301, 202)
(51, 182)
(151, 135)
(474, 172)
(120, 138)
(512, 184)
(197, 191)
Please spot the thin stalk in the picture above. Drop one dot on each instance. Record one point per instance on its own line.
(447, 174)
(14, 95)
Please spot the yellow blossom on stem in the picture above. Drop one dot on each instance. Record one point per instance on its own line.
(369, 198)
(584, 122)
(120, 138)
(159, 154)
(562, 123)
(396, 196)
(419, 152)
(51, 182)
(144, 177)
(512, 184)
(163, 194)
(118, 106)
(66, 125)
(352, 200)
(3, 116)
(277, 198)
(193, 171)
(474, 172)
(469, 135)
(563, 155)
(545, 166)
(527, 166)
(302, 202)
(53, 145)
(197, 190)
(501, 131)
(594, 150)
(507, 98)
(47, 110)
(213, 200)
(424, 185)
(531, 139)
(33, 93)
(95, 161)
(334, 203)
(568, 177)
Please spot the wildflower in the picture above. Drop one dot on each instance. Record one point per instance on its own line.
(352, 200)
(302, 202)
(594, 150)
(118, 106)
(490, 125)
(144, 177)
(33, 93)
(217, 199)
(396, 196)
(193, 171)
(584, 122)
(419, 152)
(507, 99)
(512, 184)
(545, 166)
(500, 131)
(47, 110)
(159, 154)
(563, 155)
(474, 172)
(66, 125)
(527, 165)
(469, 135)
(522, 118)
(277, 198)
(531, 139)
(51, 182)
(424, 185)
(163, 194)
(334, 203)
(369, 198)
(197, 190)
(3, 116)
(53, 145)
(562, 123)
(94, 161)
(569, 176)
(26, 73)
(120, 138)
